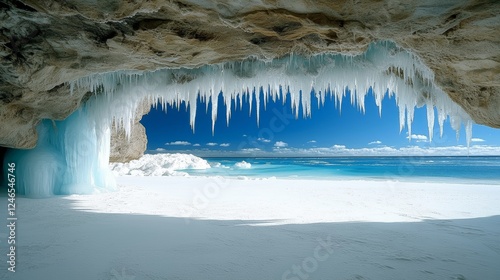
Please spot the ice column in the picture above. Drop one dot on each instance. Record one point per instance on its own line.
(71, 157)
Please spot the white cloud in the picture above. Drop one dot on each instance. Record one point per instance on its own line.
(375, 143)
(212, 144)
(338, 147)
(178, 143)
(160, 150)
(225, 145)
(312, 141)
(250, 150)
(417, 137)
(264, 140)
(477, 140)
(341, 150)
(196, 145)
(244, 135)
(280, 144)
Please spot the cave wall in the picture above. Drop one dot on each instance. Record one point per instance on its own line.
(46, 44)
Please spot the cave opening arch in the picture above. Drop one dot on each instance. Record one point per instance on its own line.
(78, 148)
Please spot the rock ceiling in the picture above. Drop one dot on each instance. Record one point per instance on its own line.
(44, 44)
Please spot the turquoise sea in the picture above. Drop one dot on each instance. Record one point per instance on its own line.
(475, 169)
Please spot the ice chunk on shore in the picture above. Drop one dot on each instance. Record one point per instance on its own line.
(160, 165)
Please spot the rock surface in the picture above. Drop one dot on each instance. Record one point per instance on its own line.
(45, 44)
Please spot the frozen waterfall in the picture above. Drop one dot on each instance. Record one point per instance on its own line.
(385, 69)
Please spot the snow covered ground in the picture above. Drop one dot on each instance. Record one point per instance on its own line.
(216, 228)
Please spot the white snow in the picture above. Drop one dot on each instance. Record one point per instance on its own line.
(243, 164)
(159, 165)
(218, 228)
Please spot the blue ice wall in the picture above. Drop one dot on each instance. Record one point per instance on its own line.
(71, 157)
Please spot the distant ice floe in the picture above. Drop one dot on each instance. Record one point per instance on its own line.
(243, 164)
(160, 165)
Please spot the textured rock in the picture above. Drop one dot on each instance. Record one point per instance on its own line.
(46, 43)
(125, 149)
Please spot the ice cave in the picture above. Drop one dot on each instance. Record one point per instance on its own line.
(137, 139)
(72, 156)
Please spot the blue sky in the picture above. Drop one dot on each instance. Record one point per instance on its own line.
(327, 132)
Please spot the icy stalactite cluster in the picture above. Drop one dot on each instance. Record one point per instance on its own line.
(385, 69)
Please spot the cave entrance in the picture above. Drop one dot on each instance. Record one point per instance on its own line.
(79, 146)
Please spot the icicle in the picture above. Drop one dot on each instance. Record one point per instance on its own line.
(228, 102)
(214, 98)
(241, 99)
(192, 110)
(430, 120)
(468, 132)
(250, 101)
(257, 104)
(306, 103)
(409, 118)
(402, 117)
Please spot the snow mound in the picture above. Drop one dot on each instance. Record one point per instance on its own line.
(160, 165)
(243, 164)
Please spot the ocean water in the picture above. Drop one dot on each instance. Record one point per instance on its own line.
(463, 169)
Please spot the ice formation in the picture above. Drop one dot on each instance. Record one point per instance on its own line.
(385, 69)
(71, 156)
(160, 165)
